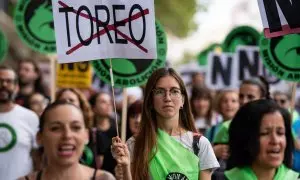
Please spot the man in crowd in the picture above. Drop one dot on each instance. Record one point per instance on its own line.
(18, 128)
(30, 81)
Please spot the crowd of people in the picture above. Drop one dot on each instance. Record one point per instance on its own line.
(172, 132)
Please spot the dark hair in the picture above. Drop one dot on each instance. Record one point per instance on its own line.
(244, 133)
(202, 93)
(53, 106)
(134, 109)
(263, 85)
(146, 139)
(38, 84)
(93, 98)
(8, 68)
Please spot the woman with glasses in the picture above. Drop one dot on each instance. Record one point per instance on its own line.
(167, 146)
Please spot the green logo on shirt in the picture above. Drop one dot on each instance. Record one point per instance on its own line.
(8, 137)
(176, 176)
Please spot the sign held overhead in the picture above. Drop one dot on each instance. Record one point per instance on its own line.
(280, 17)
(88, 30)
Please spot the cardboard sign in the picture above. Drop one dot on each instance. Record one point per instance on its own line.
(229, 70)
(88, 30)
(134, 72)
(74, 75)
(279, 17)
(221, 72)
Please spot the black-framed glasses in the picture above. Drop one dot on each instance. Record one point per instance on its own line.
(173, 93)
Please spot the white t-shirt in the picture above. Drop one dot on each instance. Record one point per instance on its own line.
(18, 129)
(207, 158)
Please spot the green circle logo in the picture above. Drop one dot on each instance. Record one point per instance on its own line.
(202, 56)
(133, 72)
(281, 56)
(3, 46)
(35, 25)
(242, 35)
(8, 137)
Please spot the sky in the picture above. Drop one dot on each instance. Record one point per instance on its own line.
(214, 24)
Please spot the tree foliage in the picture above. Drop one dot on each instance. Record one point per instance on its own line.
(177, 16)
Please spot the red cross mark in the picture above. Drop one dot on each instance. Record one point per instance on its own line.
(109, 27)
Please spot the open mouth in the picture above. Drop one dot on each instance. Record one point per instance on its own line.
(66, 150)
(274, 152)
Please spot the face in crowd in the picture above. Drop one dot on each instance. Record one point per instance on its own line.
(167, 98)
(201, 106)
(37, 103)
(103, 105)
(249, 92)
(272, 141)
(27, 73)
(134, 115)
(71, 97)
(228, 104)
(282, 100)
(63, 134)
(8, 85)
(260, 136)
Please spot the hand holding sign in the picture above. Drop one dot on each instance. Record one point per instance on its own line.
(112, 29)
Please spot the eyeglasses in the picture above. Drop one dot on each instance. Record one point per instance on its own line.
(7, 81)
(173, 93)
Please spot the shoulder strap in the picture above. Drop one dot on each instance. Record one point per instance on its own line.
(196, 138)
(39, 175)
(94, 175)
(94, 145)
(212, 133)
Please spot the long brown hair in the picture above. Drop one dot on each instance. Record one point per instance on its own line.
(84, 104)
(146, 140)
(202, 93)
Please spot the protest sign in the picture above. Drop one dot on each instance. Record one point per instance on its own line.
(279, 17)
(74, 75)
(89, 30)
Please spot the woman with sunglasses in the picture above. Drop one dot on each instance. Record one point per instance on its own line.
(167, 145)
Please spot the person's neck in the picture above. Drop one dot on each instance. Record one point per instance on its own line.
(171, 126)
(6, 107)
(264, 173)
(63, 172)
(27, 89)
(226, 118)
(103, 123)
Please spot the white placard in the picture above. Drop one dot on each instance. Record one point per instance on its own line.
(279, 17)
(91, 29)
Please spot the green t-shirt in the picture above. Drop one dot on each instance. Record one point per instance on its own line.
(222, 136)
(246, 173)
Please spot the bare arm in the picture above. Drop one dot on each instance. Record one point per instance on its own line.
(205, 174)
